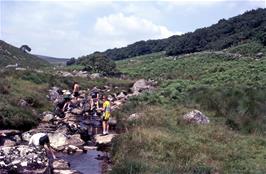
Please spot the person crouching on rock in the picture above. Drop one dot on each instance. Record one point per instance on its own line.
(106, 115)
(41, 140)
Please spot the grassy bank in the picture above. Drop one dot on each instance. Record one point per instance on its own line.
(229, 90)
(160, 142)
(33, 87)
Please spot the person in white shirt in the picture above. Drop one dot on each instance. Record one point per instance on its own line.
(41, 139)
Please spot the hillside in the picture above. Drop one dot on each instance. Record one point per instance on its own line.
(12, 55)
(53, 60)
(248, 26)
(227, 86)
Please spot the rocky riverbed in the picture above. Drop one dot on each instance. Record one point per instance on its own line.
(75, 131)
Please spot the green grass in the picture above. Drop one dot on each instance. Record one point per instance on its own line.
(160, 142)
(231, 92)
(33, 87)
(232, 88)
(248, 49)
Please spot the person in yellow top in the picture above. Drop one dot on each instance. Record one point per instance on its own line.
(106, 115)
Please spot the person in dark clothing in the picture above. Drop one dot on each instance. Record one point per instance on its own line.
(41, 140)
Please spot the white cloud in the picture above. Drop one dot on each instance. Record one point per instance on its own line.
(66, 28)
(120, 27)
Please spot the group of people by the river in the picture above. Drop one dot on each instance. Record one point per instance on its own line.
(98, 106)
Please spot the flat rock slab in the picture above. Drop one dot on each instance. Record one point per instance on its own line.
(104, 139)
(90, 147)
(10, 132)
(60, 165)
(66, 172)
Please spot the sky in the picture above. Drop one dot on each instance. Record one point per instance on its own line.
(68, 28)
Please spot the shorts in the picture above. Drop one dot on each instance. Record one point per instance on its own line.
(44, 140)
(106, 116)
(76, 94)
(105, 119)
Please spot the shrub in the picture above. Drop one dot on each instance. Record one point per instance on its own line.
(4, 86)
(98, 63)
(17, 118)
(71, 61)
(243, 107)
(37, 78)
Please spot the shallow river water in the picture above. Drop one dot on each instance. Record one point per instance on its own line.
(86, 163)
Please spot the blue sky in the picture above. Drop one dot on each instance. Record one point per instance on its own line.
(76, 28)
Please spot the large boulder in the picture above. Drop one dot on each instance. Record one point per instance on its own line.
(66, 74)
(135, 116)
(47, 116)
(75, 140)
(95, 75)
(121, 96)
(23, 159)
(197, 117)
(58, 140)
(82, 74)
(140, 85)
(62, 129)
(106, 139)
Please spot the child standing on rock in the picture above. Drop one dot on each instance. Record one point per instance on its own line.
(106, 115)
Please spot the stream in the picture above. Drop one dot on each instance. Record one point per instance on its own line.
(86, 163)
(75, 133)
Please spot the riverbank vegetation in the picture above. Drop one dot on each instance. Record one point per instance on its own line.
(228, 88)
(32, 87)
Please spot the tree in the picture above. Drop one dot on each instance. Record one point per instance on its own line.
(71, 61)
(25, 48)
(98, 63)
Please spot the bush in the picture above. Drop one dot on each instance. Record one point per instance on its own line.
(98, 63)
(17, 118)
(37, 78)
(243, 107)
(4, 86)
(71, 61)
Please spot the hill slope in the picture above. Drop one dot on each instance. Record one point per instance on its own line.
(53, 60)
(226, 87)
(248, 26)
(12, 55)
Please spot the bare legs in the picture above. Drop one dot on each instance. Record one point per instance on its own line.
(105, 127)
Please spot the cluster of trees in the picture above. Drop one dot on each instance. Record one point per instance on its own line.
(248, 26)
(71, 61)
(98, 63)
